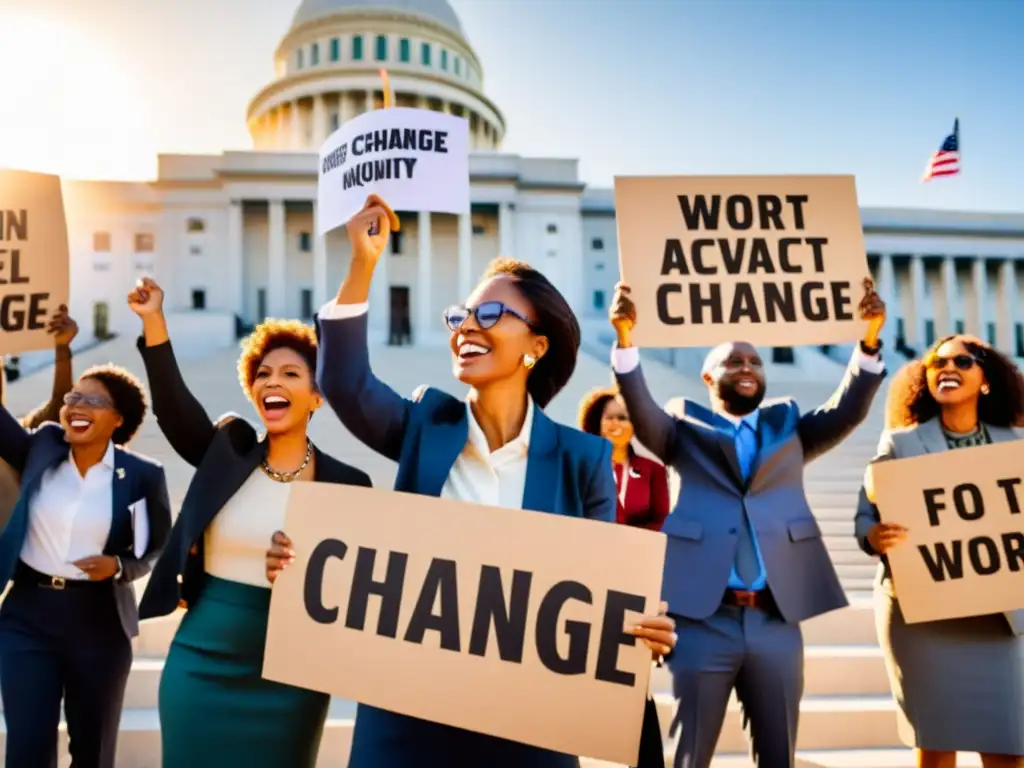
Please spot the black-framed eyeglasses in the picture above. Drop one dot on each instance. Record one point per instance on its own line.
(963, 362)
(486, 314)
(72, 399)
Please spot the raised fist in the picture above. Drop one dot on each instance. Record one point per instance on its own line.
(147, 298)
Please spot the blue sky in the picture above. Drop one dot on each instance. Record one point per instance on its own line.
(868, 87)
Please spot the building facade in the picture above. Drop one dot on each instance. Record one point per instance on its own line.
(232, 239)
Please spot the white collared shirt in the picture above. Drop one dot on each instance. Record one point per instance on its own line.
(478, 475)
(69, 517)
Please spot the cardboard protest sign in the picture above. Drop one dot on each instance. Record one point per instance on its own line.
(416, 159)
(773, 260)
(964, 553)
(34, 272)
(499, 621)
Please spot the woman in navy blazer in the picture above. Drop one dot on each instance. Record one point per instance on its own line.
(515, 344)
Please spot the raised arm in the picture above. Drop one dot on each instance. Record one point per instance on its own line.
(158, 510)
(64, 330)
(373, 412)
(655, 429)
(181, 417)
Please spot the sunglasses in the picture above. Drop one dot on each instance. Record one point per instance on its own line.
(86, 401)
(962, 362)
(486, 314)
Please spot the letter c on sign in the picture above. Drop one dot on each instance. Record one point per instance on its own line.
(313, 591)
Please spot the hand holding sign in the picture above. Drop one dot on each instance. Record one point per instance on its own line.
(657, 632)
(884, 536)
(370, 229)
(872, 309)
(622, 315)
(279, 556)
(63, 328)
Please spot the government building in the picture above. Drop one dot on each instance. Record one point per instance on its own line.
(232, 239)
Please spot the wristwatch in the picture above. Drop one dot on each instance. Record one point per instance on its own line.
(120, 568)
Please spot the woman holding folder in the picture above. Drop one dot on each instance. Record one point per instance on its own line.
(514, 342)
(958, 683)
(215, 707)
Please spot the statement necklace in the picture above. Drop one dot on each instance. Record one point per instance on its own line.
(287, 477)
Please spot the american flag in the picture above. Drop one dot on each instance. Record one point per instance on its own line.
(946, 161)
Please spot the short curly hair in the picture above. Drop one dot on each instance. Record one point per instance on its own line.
(910, 402)
(274, 334)
(554, 319)
(128, 394)
(591, 409)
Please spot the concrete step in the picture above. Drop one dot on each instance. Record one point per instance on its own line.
(829, 758)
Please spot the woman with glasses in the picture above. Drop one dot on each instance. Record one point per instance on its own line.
(958, 683)
(515, 344)
(91, 519)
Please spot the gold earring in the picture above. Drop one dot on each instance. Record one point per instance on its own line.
(984, 389)
(529, 361)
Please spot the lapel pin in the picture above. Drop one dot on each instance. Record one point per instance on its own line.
(120, 473)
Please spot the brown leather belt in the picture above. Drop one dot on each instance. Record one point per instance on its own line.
(744, 598)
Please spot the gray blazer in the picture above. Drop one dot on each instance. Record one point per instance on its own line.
(712, 496)
(902, 444)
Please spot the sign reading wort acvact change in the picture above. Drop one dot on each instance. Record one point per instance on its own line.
(415, 159)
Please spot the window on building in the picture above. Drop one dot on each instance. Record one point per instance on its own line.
(314, 54)
(101, 242)
(143, 242)
(335, 49)
(598, 299)
(305, 242)
(195, 250)
(306, 303)
(783, 355)
(101, 266)
(478, 229)
(552, 254)
(382, 47)
(960, 327)
(403, 49)
(444, 59)
(299, 60)
(552, 229)
(990, 330)
(597, 244)
(335, 121)
(929, 332)
(1018, 339)
(458, 66)
(599, 266)
(357, 48)
(198, 299)
(261, 304)
(901, 334)
(195, 225)
(425, 54)
(397, 242)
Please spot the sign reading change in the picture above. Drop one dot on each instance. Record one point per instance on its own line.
(33, 259)
(766, 259)
(415, 159)
(964, 553)
(499, 621)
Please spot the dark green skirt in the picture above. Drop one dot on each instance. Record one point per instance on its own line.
(215, 708)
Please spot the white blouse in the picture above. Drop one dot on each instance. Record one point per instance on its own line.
(237, 540)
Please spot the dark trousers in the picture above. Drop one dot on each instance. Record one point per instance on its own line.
(62, 644)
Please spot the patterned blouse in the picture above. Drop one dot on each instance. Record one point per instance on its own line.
(978, 437)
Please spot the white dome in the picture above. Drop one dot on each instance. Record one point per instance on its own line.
(436, 10)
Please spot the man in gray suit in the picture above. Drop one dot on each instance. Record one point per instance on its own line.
(745, 562)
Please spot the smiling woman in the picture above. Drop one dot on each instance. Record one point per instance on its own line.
(68, 106)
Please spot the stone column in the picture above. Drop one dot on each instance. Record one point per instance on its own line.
(369, 101)
(294, 126)
(320, 127)
(236, 263)
(465, 255)
(424, 289)
(321, 290)
(1006, 336)
(344, 108)
(915, 329)
(948, 308)
(886, 289)
(506, 233)
(978, 321)
(277, 277)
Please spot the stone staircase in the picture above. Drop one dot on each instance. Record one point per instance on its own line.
(847, 719)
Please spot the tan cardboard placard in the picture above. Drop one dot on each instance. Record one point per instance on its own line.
(501, 621)
(964, 553)
(34, 271)
(773, 260)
